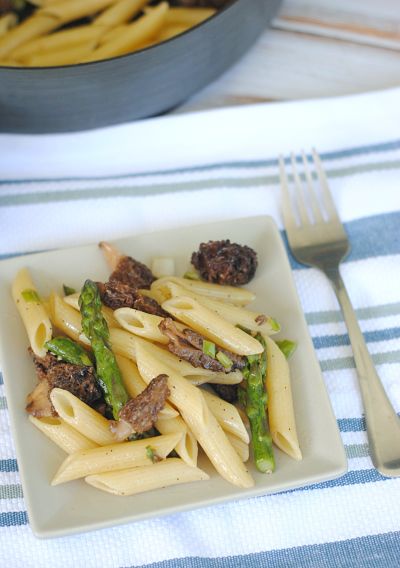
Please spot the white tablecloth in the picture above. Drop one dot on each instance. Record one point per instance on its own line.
(59, 190)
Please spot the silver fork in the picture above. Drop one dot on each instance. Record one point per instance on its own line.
(316, 237)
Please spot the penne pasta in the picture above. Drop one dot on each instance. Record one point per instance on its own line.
(188, 16)
(186, 446)
(125, 343)
(62, 434)
(70, 10)
(167, 33)
(43, 3)
(66, 319)
(82, 417)
(115, 457)
(227, 416)
(57, 41)
(138, 32)
(280, 404)
(33, 314)
(7, 22)
(241, 448)
(119, 13)
(171, 471)
(233, 295)
(108, 36)
(212, 326)
(194, 410)
(212, 378)
(134, 384)
(64, 56)
(108, 314)
(33, 27)
(253, 321)
(141, 324)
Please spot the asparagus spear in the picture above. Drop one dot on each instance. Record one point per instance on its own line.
(96, 330)
(253, 397)
(287, 347)
(69, 351)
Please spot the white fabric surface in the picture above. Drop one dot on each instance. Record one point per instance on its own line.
(214, 174)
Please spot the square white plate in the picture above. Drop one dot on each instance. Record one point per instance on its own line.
(75, 506)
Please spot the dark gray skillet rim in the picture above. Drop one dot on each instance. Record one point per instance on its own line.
(127, 55)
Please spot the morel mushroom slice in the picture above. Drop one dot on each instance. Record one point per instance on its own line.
(182, 348)
(116, 295)
(140, 413)
(79, 380)
(188, 345)
(226, 263)
(132, 272)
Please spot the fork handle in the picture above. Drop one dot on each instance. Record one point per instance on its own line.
(383, 424)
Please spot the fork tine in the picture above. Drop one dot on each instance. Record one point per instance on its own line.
(299, 193)
(327, 197)
(318, 218)
(288, 215)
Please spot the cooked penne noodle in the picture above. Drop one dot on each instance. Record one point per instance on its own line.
(137, 33)
(33, 27)
(157, 293)
(227, 415)
(212, 326)
(134, 384)
(188, 16)
(141, 324)
(82, 417)
(230, 294)
(280, 403)
(64, 39)
(33, 314)
(194, 410)
(125, 343)
(66, 319)
(10, 63)
(119, 13)
(115, 457)
(43, 3)
(254, 321)
(7, 22)
(62, 434)
(241, 448)
(71, 10)
(108, 314)
(233, 378)
(109, 35)
(168, 33)
(64, 56)
(186, 446)
(171, 471)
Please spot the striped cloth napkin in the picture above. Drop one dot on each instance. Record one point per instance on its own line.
(72, 189)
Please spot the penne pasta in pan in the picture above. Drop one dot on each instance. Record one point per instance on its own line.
(54, 34)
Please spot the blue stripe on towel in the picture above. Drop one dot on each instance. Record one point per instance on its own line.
(325, 341)
(8, 465)
(352, 424)
(13, 519)
(372, 551)
(338, 154)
